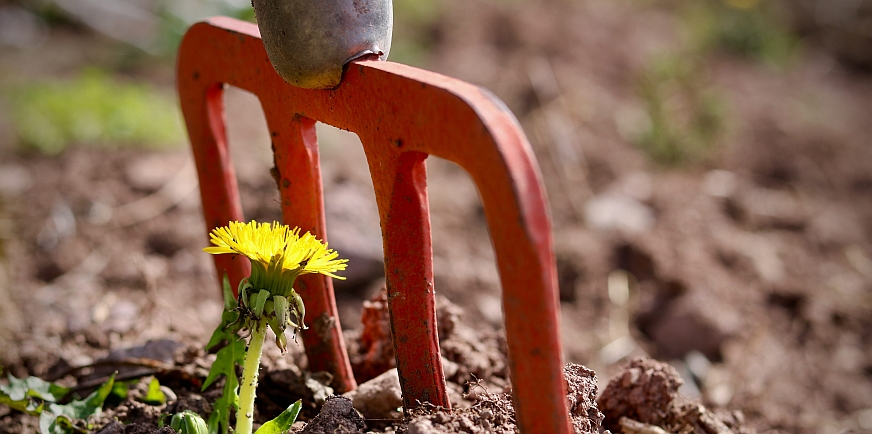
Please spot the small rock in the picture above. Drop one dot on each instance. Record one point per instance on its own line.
(491, 308)
(720, 183)
(337, 415)
(422, 426)
(123, 315)
(689, 389)
(769, 209)
(380, 397)
(864, 418)
(617, 211)
(170, 395)
(14, 180)
(698, 364)
(836, 225)
(150, 173)
(694, 321)
(638, 185)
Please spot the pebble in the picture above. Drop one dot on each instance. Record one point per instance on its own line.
(14, 180)
(617, 211)
(150, 173)
(170, 395)
(864, 418)
(379, 398)
(421, 426)
(122, 316)
(720, 183)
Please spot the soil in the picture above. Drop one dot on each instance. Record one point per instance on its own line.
(747, 274)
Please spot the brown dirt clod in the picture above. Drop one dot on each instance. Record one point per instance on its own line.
(643, 391)
(643, 398)
(581, 388)
(337, 416)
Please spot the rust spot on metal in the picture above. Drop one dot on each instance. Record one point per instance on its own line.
(324, 326)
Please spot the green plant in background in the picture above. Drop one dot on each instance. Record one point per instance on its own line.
(175, 17)
(267, 298)
(685, 114)
(752, 28)
(36, 397)
(414, 22)
(92, 109)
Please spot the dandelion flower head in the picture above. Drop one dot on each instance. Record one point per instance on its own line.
(278, 254)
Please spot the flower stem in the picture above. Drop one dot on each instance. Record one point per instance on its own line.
(245, 414)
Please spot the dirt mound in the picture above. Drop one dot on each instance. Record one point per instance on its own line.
(644, 398)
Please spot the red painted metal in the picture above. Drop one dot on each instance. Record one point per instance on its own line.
(402, 115)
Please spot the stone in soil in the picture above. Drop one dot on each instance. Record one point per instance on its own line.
(380, 397)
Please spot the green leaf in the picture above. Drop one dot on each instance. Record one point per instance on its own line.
(230, 302)
(225, 364)
(226, 331)
(226, 360)
(120, 389)
(61, 419)
(29, 394)
(233, 354)
(219, 420)
(154, 396)
(283, 421)
(33, 387)
(29, 406)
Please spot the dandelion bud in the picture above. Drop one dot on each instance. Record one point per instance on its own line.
(282, 341)
(282, 310)
(188, 422)
(258, 301)
(244, 288)
(299, 307)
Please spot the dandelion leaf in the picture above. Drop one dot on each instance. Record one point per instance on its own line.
(225, 364)
(72, 417)
(29, 394)
(282, 423)
(154, 396)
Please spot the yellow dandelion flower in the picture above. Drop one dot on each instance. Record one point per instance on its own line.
(277, 253)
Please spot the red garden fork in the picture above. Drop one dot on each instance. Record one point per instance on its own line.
(401, 114)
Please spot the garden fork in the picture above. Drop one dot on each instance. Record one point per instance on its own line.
(402, 115)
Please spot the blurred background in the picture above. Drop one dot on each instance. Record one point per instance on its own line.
(708, 165)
